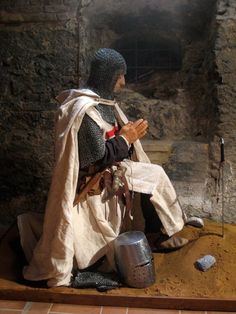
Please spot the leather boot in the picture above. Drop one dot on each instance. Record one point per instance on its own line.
(167, 244)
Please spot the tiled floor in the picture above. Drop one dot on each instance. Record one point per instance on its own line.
(21, 307)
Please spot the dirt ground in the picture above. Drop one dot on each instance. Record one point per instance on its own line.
(176, 274)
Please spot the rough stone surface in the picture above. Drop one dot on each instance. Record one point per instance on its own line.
(226, 94)
(167, 119)
(38, 59)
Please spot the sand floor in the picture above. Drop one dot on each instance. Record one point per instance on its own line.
(176, 274)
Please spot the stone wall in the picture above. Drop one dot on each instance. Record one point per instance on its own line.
(225, 56)
(39, 51)
(42, 43)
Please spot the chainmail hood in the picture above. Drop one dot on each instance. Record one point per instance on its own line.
(106, 66)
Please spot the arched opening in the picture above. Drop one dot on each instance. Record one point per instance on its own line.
(145, 56)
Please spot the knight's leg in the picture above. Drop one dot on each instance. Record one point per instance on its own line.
(165, 202)
(153, 228)
(151, 179)
(152, 221)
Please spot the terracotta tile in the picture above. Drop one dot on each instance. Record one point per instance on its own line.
(193, 312)
(10, 311)
(151, 311)
(213, 312)
(163, 311)
(114, 310)
(39, 308)
(75, 309)
(13, 305)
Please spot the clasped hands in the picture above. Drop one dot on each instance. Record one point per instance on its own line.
(133, 131)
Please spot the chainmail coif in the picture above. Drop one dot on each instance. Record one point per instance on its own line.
(106, 66)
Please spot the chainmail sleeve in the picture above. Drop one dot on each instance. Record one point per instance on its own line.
(91, 142)
(94, 150)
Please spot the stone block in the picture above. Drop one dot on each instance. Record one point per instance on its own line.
(40, 17)
(66, 16)
(56, 8)
(157, 151)
(9, 17)
(190, 152)
(73, 3)
(54, 2)
(226, 61)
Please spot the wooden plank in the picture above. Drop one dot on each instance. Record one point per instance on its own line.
(158, 302)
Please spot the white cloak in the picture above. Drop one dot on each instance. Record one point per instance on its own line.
(82, 234)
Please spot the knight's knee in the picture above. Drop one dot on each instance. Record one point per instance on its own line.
(160, 170)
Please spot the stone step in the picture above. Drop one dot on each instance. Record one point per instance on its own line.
(186, 163)
(158, 151)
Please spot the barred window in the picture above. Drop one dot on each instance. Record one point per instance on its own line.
(143, 59)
